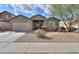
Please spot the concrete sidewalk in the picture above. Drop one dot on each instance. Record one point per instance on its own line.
(47, 48)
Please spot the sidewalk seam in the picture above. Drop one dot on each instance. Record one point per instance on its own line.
(27, 48)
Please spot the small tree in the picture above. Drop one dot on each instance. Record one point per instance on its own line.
(67, 13)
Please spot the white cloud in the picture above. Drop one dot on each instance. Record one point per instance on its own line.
(45, 7)
(23, 8)
(32, 8)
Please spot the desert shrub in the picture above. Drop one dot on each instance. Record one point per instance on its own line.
(55, 28)
(62, 29)
(40, 33)
(44, 28)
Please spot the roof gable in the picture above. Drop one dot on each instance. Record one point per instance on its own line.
(6, 16)
(38, 17)
(7, 13)
(19, 18)
(54, 19)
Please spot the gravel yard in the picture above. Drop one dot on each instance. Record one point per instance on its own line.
(51, 37)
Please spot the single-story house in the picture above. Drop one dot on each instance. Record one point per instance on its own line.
(21, 23)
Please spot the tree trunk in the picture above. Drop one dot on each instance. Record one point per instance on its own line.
(69, 28)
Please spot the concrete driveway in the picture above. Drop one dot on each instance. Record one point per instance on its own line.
(9, 36)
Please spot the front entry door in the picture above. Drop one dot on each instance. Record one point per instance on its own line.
(37, 24)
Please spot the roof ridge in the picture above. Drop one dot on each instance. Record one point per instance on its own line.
(6, 12)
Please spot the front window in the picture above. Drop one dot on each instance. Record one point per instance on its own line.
(51, 25)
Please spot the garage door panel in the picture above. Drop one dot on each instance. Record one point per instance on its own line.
(21, 26)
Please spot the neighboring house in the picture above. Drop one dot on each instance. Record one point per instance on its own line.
(37, 21)
(5, 21)
(52, 23)
(6, 16)
(21, 23)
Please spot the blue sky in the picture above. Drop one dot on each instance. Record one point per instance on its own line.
(28, 10)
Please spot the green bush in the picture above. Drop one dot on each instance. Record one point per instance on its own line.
(40, 33)
(62, 28)
(57, 28)
(44, 28)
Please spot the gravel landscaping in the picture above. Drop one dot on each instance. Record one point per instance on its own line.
(51, 37)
